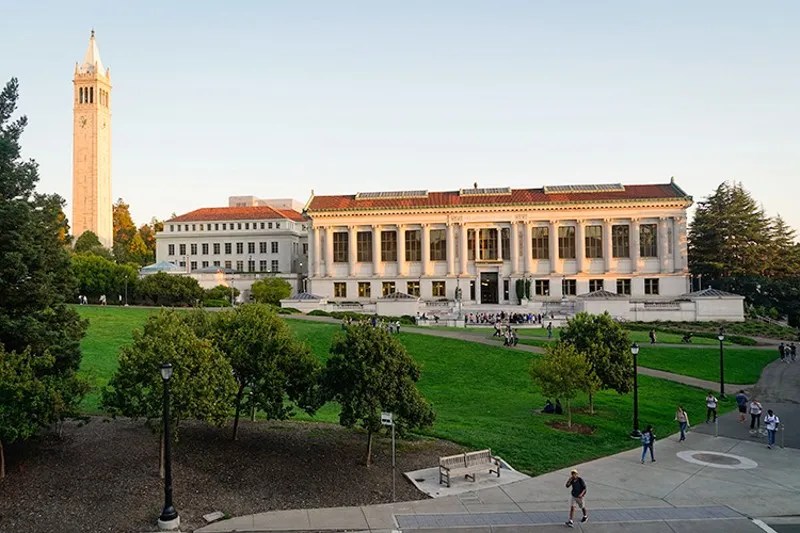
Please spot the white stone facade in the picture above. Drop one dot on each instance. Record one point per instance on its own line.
(566, 241)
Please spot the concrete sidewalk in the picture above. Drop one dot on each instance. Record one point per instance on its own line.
(716, 487)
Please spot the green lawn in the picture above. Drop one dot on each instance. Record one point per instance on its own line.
(482, 395)
(742, 365)
(540, 335)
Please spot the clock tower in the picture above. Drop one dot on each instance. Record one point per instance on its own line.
(91, 148)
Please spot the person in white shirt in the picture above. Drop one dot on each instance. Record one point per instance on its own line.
(771, 422)
(711, 407)
(755, 415)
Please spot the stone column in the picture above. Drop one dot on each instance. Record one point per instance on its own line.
(425, 242)
(555, 262)
(527, 247)
(314, 250)
(451, 250)
(401, 250)
(634, 245)
(476, 237)
(462, 258)
(607, 244)
(329, 251)
(678, 243)
(351, 250)
(663, 244)
(580, 246)
(376, 250)
(514, 248)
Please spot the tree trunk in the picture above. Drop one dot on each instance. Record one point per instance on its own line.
(369, 447)
(238, 410)
(2, 461)
(569, 413)
(591, 403)
(161, 453)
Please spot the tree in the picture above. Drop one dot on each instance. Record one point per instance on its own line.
(137, 252)
(169, 289)
(369, 372)
(267, 360)
(784, 253)
(606, 346)
(563, 372)
(89, 243)
(148, 234)
(96, 275)
(519, 289)
(221, 293)
(270, 290)
(124, 230)
(35, 274)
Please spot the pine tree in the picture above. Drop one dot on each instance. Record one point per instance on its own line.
(783, 259)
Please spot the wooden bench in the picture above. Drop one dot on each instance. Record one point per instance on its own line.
(467, 464)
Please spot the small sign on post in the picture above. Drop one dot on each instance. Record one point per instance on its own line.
(387, 419)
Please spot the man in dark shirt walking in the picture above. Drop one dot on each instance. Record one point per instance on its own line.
(576, 500)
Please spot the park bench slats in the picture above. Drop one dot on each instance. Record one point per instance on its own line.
(467, 464)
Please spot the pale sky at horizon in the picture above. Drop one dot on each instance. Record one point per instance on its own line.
(273, 99)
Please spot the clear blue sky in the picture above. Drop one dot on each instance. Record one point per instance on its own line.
(274, 99)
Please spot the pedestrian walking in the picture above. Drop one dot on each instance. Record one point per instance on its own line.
(711, 407)
(576, 498)
(683, 422)
(741, 402)
(782, 351)
(648, 438)
(771, 422)
(793, 352)
(755, 415)
(652, 336)
(549, 330)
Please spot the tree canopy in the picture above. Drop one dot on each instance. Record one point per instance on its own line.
(270, 290)
(563, 373)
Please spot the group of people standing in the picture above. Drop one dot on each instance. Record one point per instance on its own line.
(753, 407)
(788, 353)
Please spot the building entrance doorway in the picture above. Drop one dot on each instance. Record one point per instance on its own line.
(489, 288)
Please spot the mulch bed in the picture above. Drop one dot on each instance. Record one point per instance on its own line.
(103, 476)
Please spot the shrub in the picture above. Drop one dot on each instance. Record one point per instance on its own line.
(319, 312)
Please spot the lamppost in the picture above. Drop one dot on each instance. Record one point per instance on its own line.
(458, 296)
(635, 351)
(721, 338)
(169, 518)
(126, 291)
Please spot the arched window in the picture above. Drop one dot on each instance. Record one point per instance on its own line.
(91, 95)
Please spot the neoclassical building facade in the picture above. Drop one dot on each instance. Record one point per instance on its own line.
(475, 243)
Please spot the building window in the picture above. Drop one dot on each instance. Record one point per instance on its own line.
(269, 225)
(182, 264)
(472, 289)
(227, 248)
(339, 247)
(225, 226)
(274, 246)
(193, 249)
(364, 289)
(569, 287)
(240, 266)
(193, 266)
(364, 246)
(541, 287)
(227, 264)
(238, 225)
(471, 244)
(438, 245)
(413, 245)
(594, 242)
(340, 289)
(387, 288)
(595, 285)
(171, 227)
(566, 242)
(182, 249)
(620, 241)
(246, 225)
(540, 242)
(216, 227)
(438, 289)
(262, 266)
(274, 266)
(305, 248)
(215, 263)
(215, 248)
(505, 244)
(251, 247)
(624, 285)
(186, 227)
(648, 244)
(488, 243)
(179, 227)
(171, 249)
(651, 285)
(277, 225)
(204, 248)
(262, 247)
(194, 227)
(239, 247)
(388, 245)
(412, 288)
(506, 284)
(251, 265)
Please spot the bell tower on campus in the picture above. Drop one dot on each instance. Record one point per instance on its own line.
(91, 147)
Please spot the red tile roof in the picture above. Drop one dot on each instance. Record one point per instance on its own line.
(261, 212)
(520, 197)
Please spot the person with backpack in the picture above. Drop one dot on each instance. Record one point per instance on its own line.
(755, 415)
(576, 498)
(771, 422)
(648, 438)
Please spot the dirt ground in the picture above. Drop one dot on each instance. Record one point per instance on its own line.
(103, 476)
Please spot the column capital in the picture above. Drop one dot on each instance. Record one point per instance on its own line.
(554, 222)
(608, 220)
(635, 220)
(375, 226)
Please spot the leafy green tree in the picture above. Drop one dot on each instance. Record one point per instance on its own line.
(148, 234)
(169, 289)
(202, 381)
(369, 372)
(606, 346)
(519, 289)
(89, 243)
(124, 231)
(137, 252)
(96, 275)
(563, 372)
(221, 292)
(35, 274)
(268, 361)
(270, 290)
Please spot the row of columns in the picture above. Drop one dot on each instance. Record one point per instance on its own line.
(316, 256)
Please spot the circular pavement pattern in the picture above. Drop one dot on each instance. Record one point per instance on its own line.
(717, 460)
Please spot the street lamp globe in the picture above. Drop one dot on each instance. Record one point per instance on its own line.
(166, 371)
(635, 349)
(721, 337)
(635, 433)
